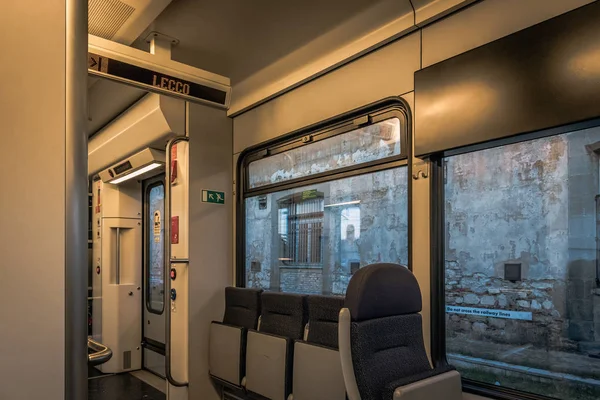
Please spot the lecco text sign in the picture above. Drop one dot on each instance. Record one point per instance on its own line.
(152, 80)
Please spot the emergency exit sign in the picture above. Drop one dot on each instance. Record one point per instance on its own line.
(212, 196)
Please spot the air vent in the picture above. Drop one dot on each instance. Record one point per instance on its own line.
(106, 17)
(127, 360)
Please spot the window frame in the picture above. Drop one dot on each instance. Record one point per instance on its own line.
(438, 254)
(391, 107)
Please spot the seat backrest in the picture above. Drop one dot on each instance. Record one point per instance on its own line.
(283, 314)
(323, 315)
(386, 337)
(242, 307)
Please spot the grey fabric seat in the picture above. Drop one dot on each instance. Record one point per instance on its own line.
(270, 350)
(381, 340)
(227, 348)
(317, 368)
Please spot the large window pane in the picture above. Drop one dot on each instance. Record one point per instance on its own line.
(523, 303)
(312, 239)
(373, 142)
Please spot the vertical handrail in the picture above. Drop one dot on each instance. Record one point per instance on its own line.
(118, 264)
(167, 294)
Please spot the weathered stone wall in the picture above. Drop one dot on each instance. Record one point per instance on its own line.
(301, 280)
(382, 234)
(383, 223)
(530, 203)
(356, 147)
(581, 269)
(547, 328)
(259, 231)
(510, 204)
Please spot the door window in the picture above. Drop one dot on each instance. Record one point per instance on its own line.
(155, 274)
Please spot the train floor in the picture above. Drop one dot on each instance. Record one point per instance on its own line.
(139, 385)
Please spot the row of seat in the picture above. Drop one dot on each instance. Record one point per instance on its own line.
(278, 346)
(368, 346)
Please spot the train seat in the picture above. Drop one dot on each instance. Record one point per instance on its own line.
(317, 371)
(381, 340)
(227, 352)
(270, 349)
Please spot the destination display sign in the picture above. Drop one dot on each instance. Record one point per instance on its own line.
(152, 80)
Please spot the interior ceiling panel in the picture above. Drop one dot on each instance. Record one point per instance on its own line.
(236, 38)
(263, 46)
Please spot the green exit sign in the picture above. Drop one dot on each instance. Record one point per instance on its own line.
(212, 196)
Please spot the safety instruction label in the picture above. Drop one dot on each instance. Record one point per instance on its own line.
(157, 226)
(485, 312)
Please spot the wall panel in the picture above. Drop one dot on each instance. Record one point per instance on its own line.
(420, 236)
(211, 237)
(42, 201)
(487, 21)
(386, 72)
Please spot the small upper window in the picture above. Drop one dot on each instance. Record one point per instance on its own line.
(374, 142)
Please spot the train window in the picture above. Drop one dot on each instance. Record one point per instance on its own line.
(373, 142)
(155, 268)
(522, 272)
(314, 214)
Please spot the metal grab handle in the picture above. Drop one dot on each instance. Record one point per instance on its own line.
(168, 261)
(118, 264)
(101, 353)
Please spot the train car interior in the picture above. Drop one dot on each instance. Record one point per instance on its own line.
(300, 200)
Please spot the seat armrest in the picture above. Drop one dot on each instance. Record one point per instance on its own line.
(226, 352)
(317, 373)
(445, 386)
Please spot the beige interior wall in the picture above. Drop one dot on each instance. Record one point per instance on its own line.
(485, 22)
(420, 238)
(32, 199)
(364, 81)
(211, 227)
(234, 199)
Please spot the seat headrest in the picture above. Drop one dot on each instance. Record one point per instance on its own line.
(324, 308)
(247, 297)
(242, 307)
(283, 314)
(382, 290)
(283, 303)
